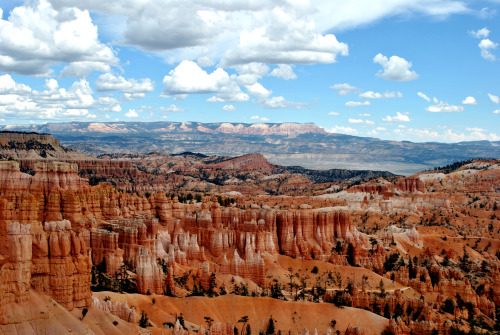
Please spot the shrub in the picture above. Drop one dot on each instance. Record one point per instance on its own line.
(144, 321)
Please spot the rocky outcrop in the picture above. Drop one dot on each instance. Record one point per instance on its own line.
(252, 162)
(205, 276)
(33, 146)
(219, 328)
(354, 331)
(15, 265)
(120, 309)
(179, 330)
(149, 274)
(105, 248)
(53, 261)
(66, 275)
(398, 327)
(300, 232)
(251, 267)
(411, 184)
(54, 191)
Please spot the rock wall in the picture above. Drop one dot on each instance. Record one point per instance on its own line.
(15, 265)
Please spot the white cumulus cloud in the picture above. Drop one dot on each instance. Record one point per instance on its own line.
(357, 103)
(469, 101)
(284, 37)
(281, 102)
(172, 109)
(395, 68)
(480, 33)
(110, 82)
(423, 96)
(110, 104)
(495, 99)
(256, 117)
(258, 91)
(342, 130)
(249, 74)
(189, 78)
(274, 32)
(440, 107)
(344, 89)
(265, 100)
(36, 36)
(486, 45)
(228, 108)
(376, 95)
(398, 118)
(132, 114)
(284, 71)
(360, 121)
(19, 101)
(355, 121)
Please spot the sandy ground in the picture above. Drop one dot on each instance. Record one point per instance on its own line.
(290, 316)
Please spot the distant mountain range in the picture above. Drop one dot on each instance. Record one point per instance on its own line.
(305, 145)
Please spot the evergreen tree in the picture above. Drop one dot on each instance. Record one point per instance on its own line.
(382, 293)
(465, 262)
(411, 270)
(212, 285)
(270, 327)
(222, 289)
(375, 307)
(144, 320)
(398, 310)
(243, 320)
(387, 313)
(209, 321)
(350, 254)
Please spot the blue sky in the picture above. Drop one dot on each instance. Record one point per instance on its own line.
(418, 70)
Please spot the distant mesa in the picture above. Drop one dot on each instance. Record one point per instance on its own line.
(287, 128)
(287, 144)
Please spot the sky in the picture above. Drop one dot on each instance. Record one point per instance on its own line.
(416, 70)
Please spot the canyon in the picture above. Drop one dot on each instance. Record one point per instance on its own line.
(188, 243)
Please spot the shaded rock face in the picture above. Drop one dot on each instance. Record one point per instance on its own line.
(54, 261)
(149, 274)
(53, 192)
(252, 162)
(47, 256)
(411, 184)
(15, 270)
(305, 230)
(32, 146)
(69, 265)
(222, 328)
